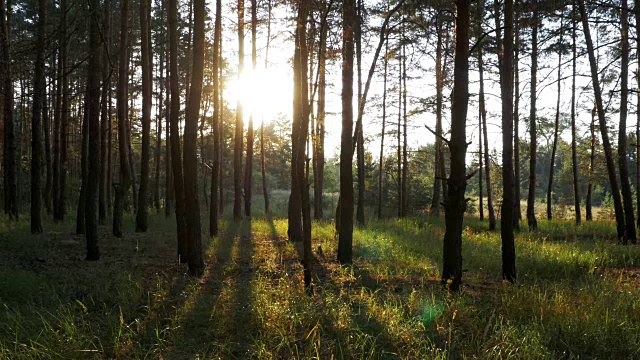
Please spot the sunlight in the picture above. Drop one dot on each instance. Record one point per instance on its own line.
(263, 93)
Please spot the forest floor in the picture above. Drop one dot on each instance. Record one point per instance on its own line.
(577, 294)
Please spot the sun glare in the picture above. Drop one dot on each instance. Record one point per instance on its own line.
(265, 94)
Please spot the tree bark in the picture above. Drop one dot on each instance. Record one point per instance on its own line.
(106, 119)
(192, 205)
(506, 213)
(359, 127)
(574, 149)
(61, 209)
(93, 120)
(176, 152)
(36, 142)
(625, 186)
(487, 161)
(9, 143)
(608, 153)
(382, 132)
(248, 171)
(237, 150)
(456, 204)
(437, 175)
(405, 160)
(345, 231)
(516, 123)
(263, 168)
(47, 151)
(592, 158)
(123, 112)
(217, 120)
(555, 129)
(637, 17)
(147, 97)
(84, 168)
(531, 199)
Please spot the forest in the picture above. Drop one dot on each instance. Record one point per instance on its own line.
(293, 179)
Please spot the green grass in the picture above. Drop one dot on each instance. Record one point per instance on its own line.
(576, 296)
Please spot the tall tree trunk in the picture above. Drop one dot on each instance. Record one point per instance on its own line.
(158, 152)
(61, 209)
(93, 120)
(345, 230)
(237, 150)
(248, 171)
(147, 97)
(169, 190)
(9, 143)
(516, 123)
(555, 128)
(382, 132)
(176, 152)
(437, 176)
(637, 17)
(487, 161)
(122, 108)
(192, 205)
(263, 168)
(456, 203)
(479, 18)
(625, 186)
(217, 120)
(84, 148)
(506, 213)
(47, 150)
(399, 146)
(574, 150)
(359, 126)
(56, 136)
(36, 142)
(104, 121)
(608, 153)
(405, 161)
(531, 199)
(592, 158)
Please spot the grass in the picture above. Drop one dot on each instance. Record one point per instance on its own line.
(576, 295)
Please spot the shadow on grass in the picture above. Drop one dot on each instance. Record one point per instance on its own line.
(216, 318)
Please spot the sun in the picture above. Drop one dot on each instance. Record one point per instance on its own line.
(264, 93)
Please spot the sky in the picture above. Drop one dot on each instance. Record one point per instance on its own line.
(269, 92)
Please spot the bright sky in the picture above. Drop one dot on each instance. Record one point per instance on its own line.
(269, 92)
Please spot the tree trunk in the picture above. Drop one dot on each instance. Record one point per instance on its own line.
(61, 209)
(405, 161)
(192, 205)
(382, 132)
(345, 231)
(555, 129)
(456, 204)
(592, 158)
(248, 171)
(217, 120)
(608, 153)
(399, 147)
(263, 169)
(105, 120)
(169, 191)
(479, 18)
(359, 126)
(9, 143)
(487, 161)
(516, 124)
(437, 175)
(237, 150)
(574, 150)
(147, 97)
(637, 17)
(506, 213)
(176, 152)
(158, 159)
(531, 199)
(625, 186)
(36, 142)
(93, 122)
(122, 108)
(47, 150)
